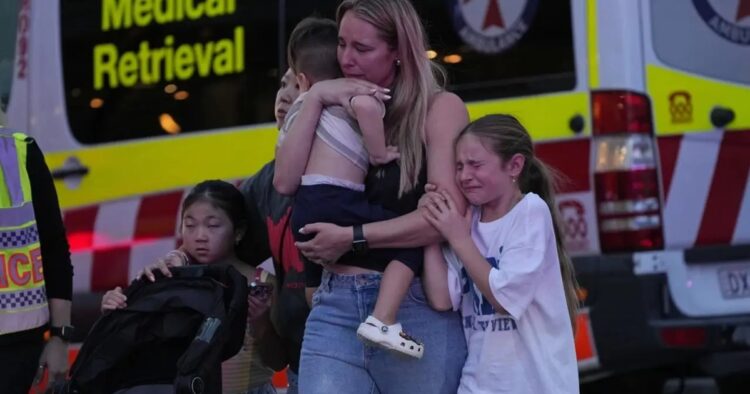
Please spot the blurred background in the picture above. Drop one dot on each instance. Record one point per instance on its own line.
(642, 105)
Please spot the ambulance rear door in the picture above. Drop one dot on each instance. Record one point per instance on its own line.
(697, 56)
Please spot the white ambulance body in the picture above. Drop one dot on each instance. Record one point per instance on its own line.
(643, 105)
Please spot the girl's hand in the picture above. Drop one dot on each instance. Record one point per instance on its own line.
(175, 258)
(328, 245)
(340, 91)
(114, 299)
(443, 215)
(429, 198)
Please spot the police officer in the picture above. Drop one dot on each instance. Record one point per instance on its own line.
(36, 274)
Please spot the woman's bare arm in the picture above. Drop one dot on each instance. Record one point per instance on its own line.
(445, 120)
(435, 278)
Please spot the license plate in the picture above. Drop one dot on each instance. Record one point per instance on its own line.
(735, 282)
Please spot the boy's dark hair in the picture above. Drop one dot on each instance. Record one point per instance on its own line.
(222, 195)
(312, 49)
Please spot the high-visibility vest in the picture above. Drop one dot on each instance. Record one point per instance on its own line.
(23, 299)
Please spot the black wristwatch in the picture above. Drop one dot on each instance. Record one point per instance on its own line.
(63, 332)
(359, 243)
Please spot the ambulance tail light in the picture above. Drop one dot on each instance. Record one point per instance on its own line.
(625, 176)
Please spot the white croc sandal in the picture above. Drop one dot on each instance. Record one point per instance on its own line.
(392, 337)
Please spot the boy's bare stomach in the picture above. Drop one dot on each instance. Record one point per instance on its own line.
(326, 161)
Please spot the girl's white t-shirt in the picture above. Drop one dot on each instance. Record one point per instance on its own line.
(531, 349)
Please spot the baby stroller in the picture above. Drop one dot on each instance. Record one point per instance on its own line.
(171, 338)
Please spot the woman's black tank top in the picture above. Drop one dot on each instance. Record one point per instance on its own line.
(382, 184)
(381, 187)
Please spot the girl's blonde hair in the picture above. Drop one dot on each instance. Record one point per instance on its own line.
(506, 136)
(417, 78)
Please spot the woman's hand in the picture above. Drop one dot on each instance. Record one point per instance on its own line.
(440, 210)
(114, 299)
(328, 245)
(175, 258)
(257, 307)
(258, 316)
(340, 91)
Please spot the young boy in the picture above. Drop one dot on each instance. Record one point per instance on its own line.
(347, 140)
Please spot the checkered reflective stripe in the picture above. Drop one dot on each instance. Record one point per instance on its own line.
(112, 241)
(23, 298)
(19, 237)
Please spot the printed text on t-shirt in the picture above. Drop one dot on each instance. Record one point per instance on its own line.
(496, 324)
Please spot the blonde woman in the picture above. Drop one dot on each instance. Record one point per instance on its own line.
(381, 51)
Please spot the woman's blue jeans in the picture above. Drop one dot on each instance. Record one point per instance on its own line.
(334, 360)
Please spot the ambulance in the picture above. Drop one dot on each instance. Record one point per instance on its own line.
(643, 107)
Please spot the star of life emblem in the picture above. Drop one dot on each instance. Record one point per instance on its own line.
(492, 26)
(730, 19)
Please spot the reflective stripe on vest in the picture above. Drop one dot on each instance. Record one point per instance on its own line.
(23, 300)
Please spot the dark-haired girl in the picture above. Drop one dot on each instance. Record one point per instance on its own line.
(213, 224)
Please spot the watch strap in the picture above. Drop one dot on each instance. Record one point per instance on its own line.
(359, 234)
(63, 332)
